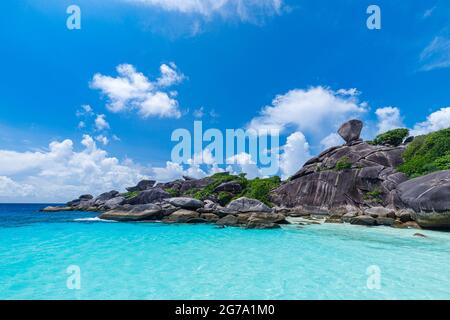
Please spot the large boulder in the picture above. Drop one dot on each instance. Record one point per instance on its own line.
(149, 196)
(244, 204)
(230, 186)
(142, 185)
(351, 130)
(134, 213)
(429, 197)
(359, 175)
(262, 220)
(183, 216)
(86, 197)
(101, 199)
(113, 203)
(185, 203)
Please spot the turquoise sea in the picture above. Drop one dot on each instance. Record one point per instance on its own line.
(158, 261)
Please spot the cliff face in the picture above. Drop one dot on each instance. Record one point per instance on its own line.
(356, 174)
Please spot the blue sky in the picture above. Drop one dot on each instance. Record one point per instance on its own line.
(231, 61)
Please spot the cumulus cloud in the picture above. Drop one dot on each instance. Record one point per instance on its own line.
(436, 55)
(102, 139)
(61, 173)
(245, 10)
(316, 111)
(295, 154)
(101, 123)
(331, 140)
(388, 118)
(132, 90)
(435, 121)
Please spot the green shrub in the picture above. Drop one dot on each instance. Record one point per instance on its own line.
(130, 195)
(393, 137)
(224, 198)
(343, 163)
(173, 192)
(260, 188)
(427, 153)
(256, 188)
(375, 195)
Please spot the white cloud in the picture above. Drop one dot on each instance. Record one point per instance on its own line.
(102, 139)
(101, 123)
(436, 55)
(429, 12)
(132, 90)
(61, 173)
(245, 10)
(388, 118)
(349, 92)
(199, 113)
(169, 75)
(314, 111)
(436, 121)
(295, 154)
(81, 125)
(86, 110)
(331, 140)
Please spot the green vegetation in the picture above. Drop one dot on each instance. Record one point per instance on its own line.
(260, 188)
(374, 196)
(172, 192)
(343, 163)
(256, 188)
(224, 198)
(427, 153)
(130, 195)
(393, 137)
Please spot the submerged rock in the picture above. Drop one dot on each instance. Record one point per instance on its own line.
(429, 197)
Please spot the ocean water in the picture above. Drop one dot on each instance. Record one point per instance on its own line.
(157, 261)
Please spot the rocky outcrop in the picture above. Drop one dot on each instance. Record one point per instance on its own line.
(142, 185)
(113, 203)
(149, 196)
(429, 197)
(355, 174)
(244, 204)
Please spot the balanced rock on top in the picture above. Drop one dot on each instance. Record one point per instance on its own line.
(351, 130)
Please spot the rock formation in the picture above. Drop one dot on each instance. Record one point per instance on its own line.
(356, 174)
(355, 183)
(429, 197)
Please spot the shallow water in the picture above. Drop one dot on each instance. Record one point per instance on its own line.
(157, 261)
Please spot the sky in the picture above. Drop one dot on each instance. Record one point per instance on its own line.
(93, 109)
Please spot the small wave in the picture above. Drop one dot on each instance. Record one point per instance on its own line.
(95, 219)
